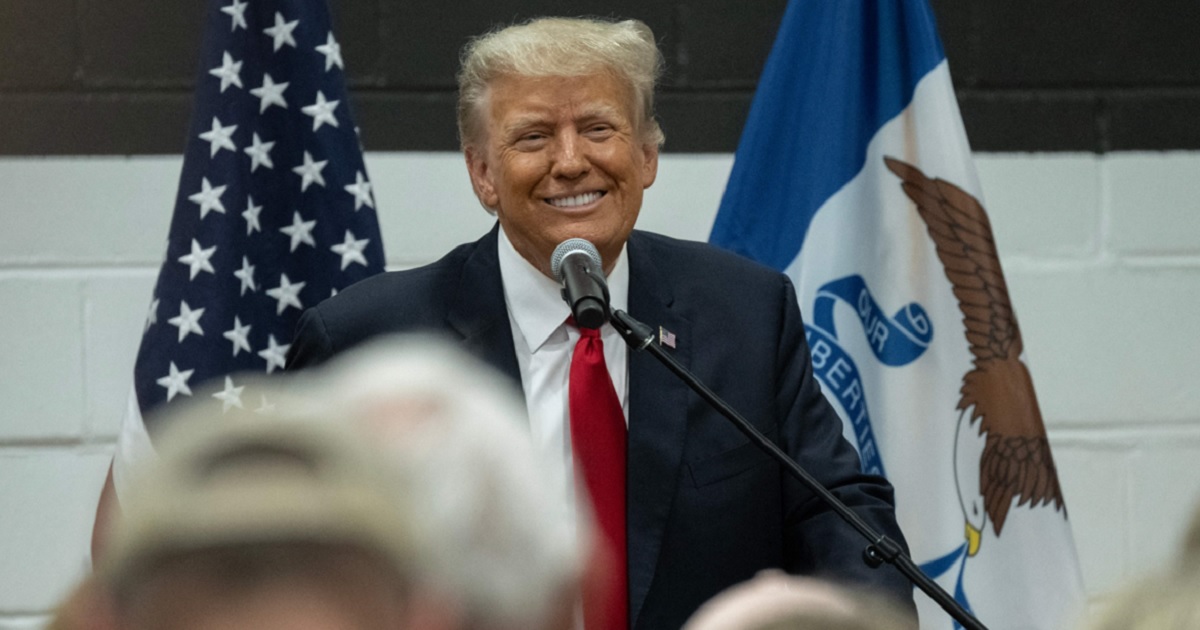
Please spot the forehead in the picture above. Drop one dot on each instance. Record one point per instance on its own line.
(510, 97)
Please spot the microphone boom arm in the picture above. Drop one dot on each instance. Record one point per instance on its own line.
(880, 548)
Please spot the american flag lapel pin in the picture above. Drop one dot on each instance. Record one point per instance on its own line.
(666, 337)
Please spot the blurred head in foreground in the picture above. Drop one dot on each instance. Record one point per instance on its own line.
(394, 488)
(1168, 601)
(774, 600)
(1191, 543)
(493, 537)
(264, 522)
(84, 608)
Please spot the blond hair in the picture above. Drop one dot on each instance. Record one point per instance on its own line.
(561, 47)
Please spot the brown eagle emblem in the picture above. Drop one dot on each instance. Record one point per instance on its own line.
(1014, 456)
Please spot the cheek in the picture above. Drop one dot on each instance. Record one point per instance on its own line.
(520, 173)
(631, 213)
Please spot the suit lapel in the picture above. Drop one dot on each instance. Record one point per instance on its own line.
(477, 311)
(657, 423)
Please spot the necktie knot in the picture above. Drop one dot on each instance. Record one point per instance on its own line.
(592, 333)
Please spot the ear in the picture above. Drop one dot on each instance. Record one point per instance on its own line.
(481, 178)
(649, 164)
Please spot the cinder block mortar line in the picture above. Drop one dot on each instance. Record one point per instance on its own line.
(1181, 261)
(24, 619)
(85, 445)
(58, 269)
(1102, 432)
(85, 324)
(1106, 209)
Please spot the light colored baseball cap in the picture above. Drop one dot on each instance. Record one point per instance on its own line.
(240, 478)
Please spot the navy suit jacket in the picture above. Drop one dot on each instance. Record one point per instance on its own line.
(706, 509)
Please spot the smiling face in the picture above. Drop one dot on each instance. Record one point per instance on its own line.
(562, 157)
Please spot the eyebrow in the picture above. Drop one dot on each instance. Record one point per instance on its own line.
(524, 121)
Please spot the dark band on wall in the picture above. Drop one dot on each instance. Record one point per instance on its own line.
(115, 76)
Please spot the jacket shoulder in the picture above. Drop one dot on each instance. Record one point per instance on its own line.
(397, 292)
(705, 264)
(391, 302)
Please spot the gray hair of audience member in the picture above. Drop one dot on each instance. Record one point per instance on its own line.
(269, 499)
(1167, 601)
(1191, 543)
(560, 47)
(493, 531)
(774, 600)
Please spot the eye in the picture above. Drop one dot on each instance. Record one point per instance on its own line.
(598, 134)
(530, 140)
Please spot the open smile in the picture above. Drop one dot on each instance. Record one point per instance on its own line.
(575, 201)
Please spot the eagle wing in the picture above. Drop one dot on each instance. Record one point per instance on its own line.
(1016, 461)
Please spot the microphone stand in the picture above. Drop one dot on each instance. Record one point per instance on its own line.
(880, 548)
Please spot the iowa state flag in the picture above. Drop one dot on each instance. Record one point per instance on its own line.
(855, 178)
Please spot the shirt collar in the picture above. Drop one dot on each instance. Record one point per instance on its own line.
(535, 302)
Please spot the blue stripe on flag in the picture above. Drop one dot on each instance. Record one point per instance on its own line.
(819, 103)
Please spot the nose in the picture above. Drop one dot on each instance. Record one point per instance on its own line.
(570, 159)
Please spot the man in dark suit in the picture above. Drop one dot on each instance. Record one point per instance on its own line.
(556, 119)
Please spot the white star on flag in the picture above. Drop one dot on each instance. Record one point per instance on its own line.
(332, 51)
(246, 275)
(300, 231)
(351, 250)
(228, 73)
(251, 215)
(209, 198)
(152, 315)
(275, 354)
(176, 382)
(198, 260)
(239, 336)
(237, 11)
(263, 144)
(219, 137)
(260, 153)
(310, 172)
(321, 111)
(230, 397)
(287, 294)
(282, 32)
(361, 189)
(187, 320)
(270, 93)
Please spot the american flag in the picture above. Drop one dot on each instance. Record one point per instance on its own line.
(274, 211)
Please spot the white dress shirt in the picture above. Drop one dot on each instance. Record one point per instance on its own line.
(544, 344)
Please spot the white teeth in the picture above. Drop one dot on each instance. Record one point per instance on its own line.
(577, 200)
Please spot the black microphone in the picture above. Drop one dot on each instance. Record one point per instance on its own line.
(576, 264)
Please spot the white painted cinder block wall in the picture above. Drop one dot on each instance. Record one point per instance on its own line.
(1102, 255)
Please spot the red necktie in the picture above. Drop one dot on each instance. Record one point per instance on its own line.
(598, 442)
